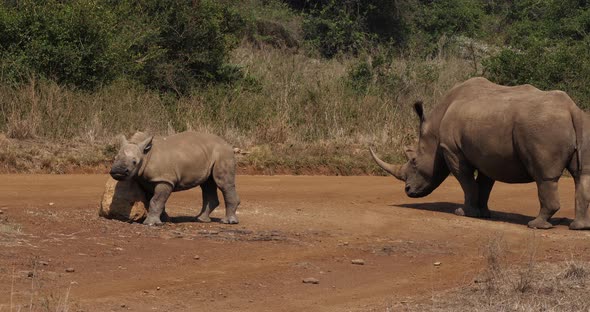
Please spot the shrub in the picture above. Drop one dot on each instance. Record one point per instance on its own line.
(68, 42)
(337, 27)
(166, 45)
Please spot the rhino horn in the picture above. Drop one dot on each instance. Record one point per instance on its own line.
(395, 170)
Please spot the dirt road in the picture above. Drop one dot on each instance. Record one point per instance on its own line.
(291, 228)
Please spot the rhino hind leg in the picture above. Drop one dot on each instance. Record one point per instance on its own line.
(224, 174)
(210, 200)
(549, 199)
(582, 220)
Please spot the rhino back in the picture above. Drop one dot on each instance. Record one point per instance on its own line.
(185, 160)
(512, 134)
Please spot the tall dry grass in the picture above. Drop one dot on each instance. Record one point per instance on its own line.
(525, 285)
(292, 110)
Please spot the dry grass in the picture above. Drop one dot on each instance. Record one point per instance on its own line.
(532, 286)
(294, 111)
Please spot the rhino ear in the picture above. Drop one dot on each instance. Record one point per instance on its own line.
(122, 140)
(419, 108)
(146, 145)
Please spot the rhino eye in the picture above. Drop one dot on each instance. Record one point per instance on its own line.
(134, 162)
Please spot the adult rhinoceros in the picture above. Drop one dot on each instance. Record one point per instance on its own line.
(163, 165)
(510, 134)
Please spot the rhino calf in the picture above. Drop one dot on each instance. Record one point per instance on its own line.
(179, 162)
(510, 134)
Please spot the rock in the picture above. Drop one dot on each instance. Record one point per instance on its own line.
(30, 274)
(123, 305)
(196, 257)
(437, 264)
(124, 201)
(158, 288)
(358, 261)
(70, 270)
(51, 204)
(43, 263)
(208, 232)
(1, 212)
(311, 280)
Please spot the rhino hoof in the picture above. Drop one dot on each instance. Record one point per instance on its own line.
(467, 212)
(230, 220)
(152, 221)
(540, 224)
(203, 219)
(579, 225)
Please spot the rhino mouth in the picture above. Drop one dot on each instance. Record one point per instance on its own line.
(418, 194)
(119, 175)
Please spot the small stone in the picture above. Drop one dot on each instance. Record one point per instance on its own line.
(146, 291)
(358, 261)
(437, 263)
(210, 232)
(345, 243)
(30, 274)
(51, 204)
(197, 257)
(123, 305)
(70, 270)
(158, 288)
(43, 263)
(311, 280)
(1, 212)
(250, 300)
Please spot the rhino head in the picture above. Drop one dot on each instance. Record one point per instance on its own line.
(426, 168)
(130, 156)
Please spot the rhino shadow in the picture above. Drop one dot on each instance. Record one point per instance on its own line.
(497, 216)
(189, 219)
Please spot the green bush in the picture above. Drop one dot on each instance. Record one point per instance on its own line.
(337, 27)
(69, 43)
(166, 45)
(549, 47)
(187, 43)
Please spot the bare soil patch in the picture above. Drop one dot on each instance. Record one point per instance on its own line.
(291, 228)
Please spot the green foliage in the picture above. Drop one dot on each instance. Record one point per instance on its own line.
(439, 18)
(69, 43)
(337, 27)
(186, 43)
(166, 45)
(549, 47)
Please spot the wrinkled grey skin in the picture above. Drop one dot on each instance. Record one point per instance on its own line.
(163, 165)
(509, 134)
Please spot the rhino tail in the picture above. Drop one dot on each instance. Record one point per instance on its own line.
(578, 121)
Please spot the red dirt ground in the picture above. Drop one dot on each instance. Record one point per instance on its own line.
(292, 227)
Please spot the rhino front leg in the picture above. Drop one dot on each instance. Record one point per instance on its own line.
(549, 199)
(464, 173)
(484, 186)
(582, 220)
(161, 194)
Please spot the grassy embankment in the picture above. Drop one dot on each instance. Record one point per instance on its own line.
(294, 112)
(301, 117)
